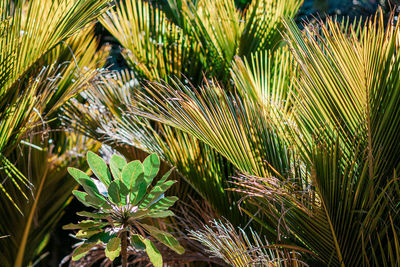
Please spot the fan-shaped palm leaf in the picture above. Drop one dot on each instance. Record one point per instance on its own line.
(237, 248)
(237, 128)
(153, 46)
(205, 37)
(66, 66)
(26, 93)
(339, 192)
(117, 125)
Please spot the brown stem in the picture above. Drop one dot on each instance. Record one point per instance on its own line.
(124, 248)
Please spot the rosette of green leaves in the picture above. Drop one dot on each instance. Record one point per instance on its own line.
(123, 197)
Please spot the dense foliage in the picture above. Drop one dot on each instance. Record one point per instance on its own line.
(282, 135)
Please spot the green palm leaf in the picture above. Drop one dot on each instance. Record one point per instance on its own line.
(26, 95)
(119, 126)
(153, 46)
(231, 125)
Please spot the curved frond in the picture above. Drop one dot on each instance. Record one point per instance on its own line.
(349, 82)
(30, 73)
(237, 128)
(108, 116)
(236, 248)
(153, 46)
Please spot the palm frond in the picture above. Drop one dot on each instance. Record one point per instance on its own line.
(32, 30)
(346, 197)
(225, 32)
(335, 209)
(34, 145)
(27, 235)
(203, 36)
(236, 248)
(349, 82)
(116, 125)
(154, 47)
(231, 125)
(268, 80)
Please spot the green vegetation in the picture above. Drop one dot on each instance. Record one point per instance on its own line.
(47, 55)
(282, 138)
(121, 202)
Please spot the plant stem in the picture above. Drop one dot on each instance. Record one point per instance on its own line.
(19, 260)
(124, 248)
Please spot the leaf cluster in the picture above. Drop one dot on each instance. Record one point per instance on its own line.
(123, 196)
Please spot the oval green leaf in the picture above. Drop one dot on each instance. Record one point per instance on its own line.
(113, 193)
(165, 238)
(117, 163)
(132, 173)
(99, 168)
(81, 251)
(153, 253)
(151, 166)
(113, 248)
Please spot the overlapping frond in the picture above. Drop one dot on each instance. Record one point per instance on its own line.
(267, 79)
(235, 127)
(38, 82)
(334, 209)
(49, 23)
(346, 92)
(117, 125)
(236, 248)
(29, 71)
(202, 36)
(224, 31)
(264, 24)
(154, 47)
(349, 82)
(27, 236)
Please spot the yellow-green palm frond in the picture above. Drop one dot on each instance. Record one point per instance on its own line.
(267, 78)
(26, 237)
(82, 60)
(41, 153)
(239, 249)
(49, 24)
(154, 47)
(201, 37)
(349, 85)
(225, 32)
(345, 108)
(107, 115)
(29, 79)
(219, 25)
(264, 24)
(333, 212)
(233, 126)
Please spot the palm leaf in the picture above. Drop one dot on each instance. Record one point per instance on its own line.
(117, 125)
(154, 47)
(28, 235)
(25, 90)
(37, 152)
(237, 248)
(231, 125)
(224, 31)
